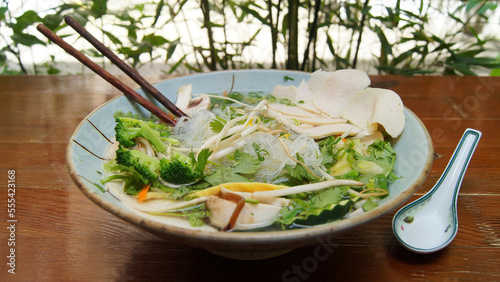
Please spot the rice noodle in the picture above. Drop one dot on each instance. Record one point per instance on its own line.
(147, 148)
(193, 132)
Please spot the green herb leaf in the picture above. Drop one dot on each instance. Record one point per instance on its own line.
(202, 160)
(245, 163)
(326, 197)
(369, 205)
(225, 175)
(299, 174)
(217, 124)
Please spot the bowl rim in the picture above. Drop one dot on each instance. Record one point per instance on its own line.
(200, 238)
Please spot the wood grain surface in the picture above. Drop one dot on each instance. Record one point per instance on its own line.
(60, 235)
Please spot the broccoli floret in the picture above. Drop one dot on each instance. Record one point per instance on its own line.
(133, 180)
(127, 129)
(177, 172)
(182, 169)
(142, 163)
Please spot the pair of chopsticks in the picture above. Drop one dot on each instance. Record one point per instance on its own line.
(129, 92)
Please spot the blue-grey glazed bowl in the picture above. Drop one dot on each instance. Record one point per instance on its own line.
(87, 146)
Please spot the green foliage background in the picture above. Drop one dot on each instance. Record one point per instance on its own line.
(300, 35)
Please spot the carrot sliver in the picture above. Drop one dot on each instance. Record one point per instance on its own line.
(144, 192)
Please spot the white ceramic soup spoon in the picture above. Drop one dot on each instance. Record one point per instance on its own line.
(430, 223)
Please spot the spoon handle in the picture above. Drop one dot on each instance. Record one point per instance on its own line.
(452, 177)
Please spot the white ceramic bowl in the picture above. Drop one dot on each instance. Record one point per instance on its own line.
(414, 150)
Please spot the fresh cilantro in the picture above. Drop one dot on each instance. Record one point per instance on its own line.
(383, 155)
(353, 174)
(289, 213)
(196, 215)
(196, 219)
(244, 164)
(287, 78)
(369, 205)
(179, 193)
(200, 185)
(225, 175)
(326, 197)
(327, 150)
(377, 182)
(217, 124)
(380, 149)
(202, 160)
(298, 174)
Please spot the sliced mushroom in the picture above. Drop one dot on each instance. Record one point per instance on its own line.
(292, 110)
(338, 89)
(300, 96)
(376, 105)
(318, 131)
(285, 92)
(184, 96)
(201, 102)
(189, 105)
(250, 217)
(320, 120)
(303, 98)
(322, 131)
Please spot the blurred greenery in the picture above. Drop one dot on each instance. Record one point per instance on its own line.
(194, 36)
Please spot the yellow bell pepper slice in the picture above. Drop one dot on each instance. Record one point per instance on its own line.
(237, 187)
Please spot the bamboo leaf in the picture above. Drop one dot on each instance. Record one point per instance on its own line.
(52, 21)
(471, 4)
(112, 37)
(386, 46)
(99, 8)
(403, 56)
(154, 40)
(3, 58)
(255, 14)
(159, 8)
(480, 61)
(284, 26)
(462, 68)
(3, 10)
(26, 39)
(171, 50)
(177, 64)
(28, 18)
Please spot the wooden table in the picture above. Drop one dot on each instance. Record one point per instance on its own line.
(61, 235)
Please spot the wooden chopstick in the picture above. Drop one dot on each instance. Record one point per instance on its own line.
(129, 92)
(124, 67)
